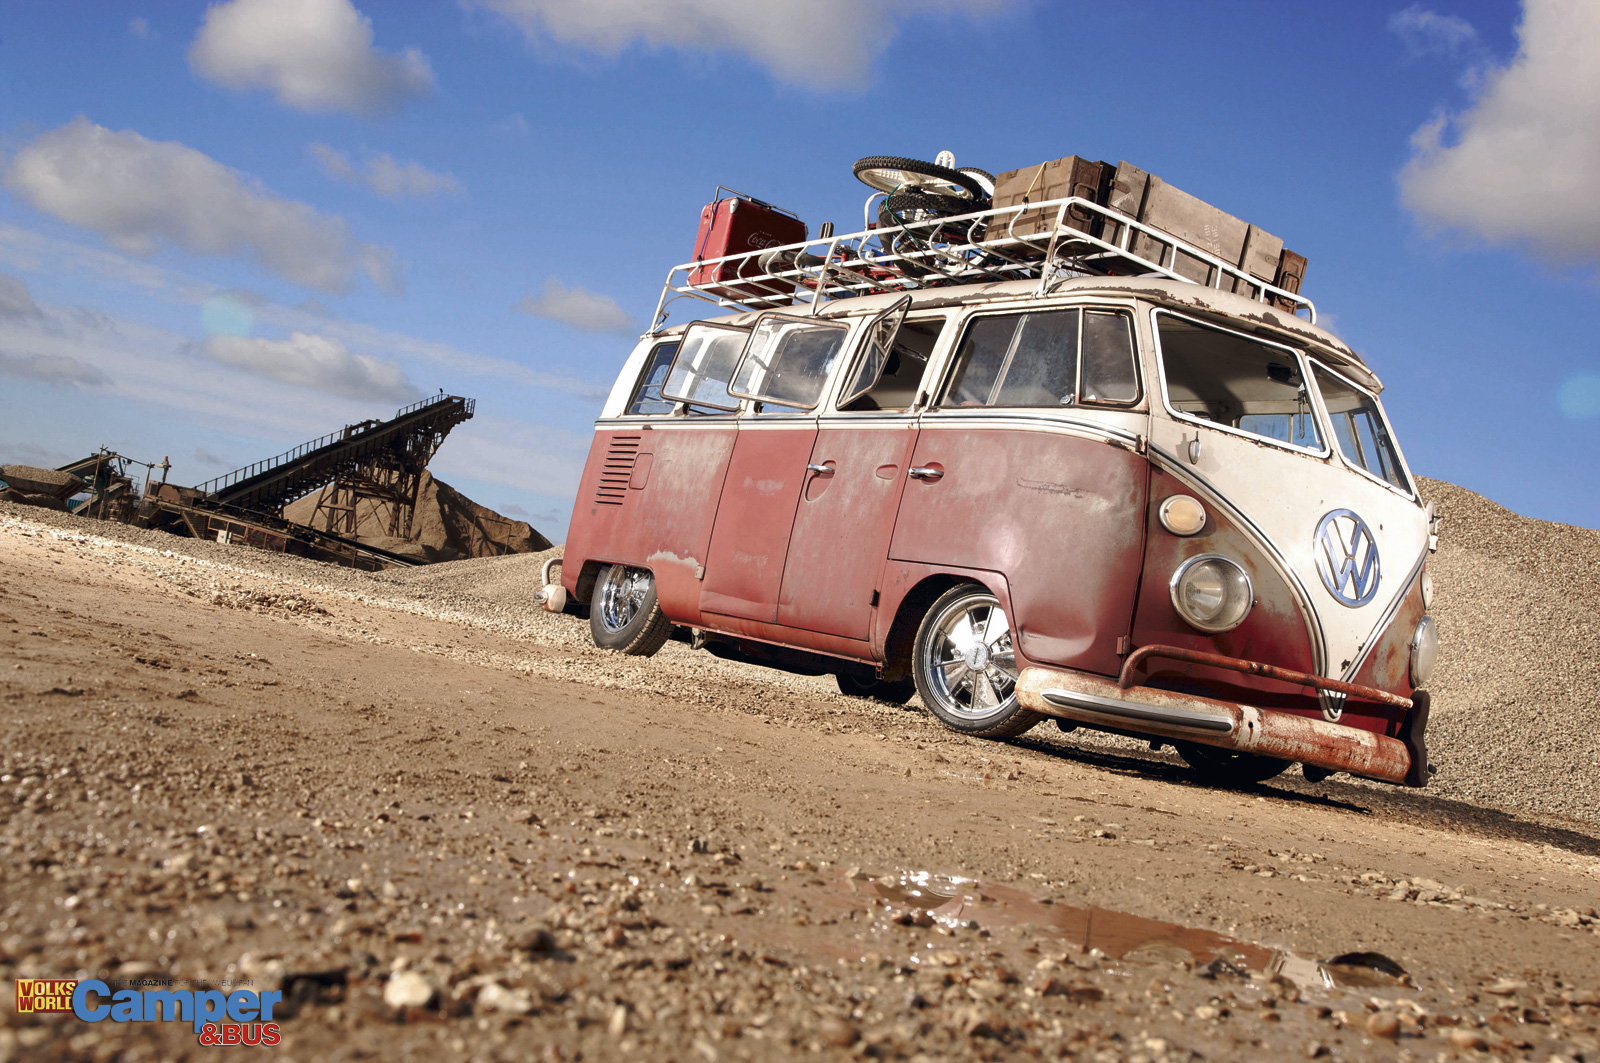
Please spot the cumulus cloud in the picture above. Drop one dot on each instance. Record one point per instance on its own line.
(385, 176)
(1426, 32)
(316, 362)
(1521, 166)
(316, 55)
(137, 193)
(15, 299)
(57, 370)
(584, 310)
(820, 44)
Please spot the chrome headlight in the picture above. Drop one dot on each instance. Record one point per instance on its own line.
(1424, 650)
(1212, 593)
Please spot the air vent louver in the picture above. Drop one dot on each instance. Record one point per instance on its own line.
(616, 471)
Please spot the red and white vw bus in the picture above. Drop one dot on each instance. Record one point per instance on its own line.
(1139, 504)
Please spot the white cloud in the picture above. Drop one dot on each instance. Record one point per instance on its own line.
(513, 453)
(137, 192)
(58, 370)
(1426, 32)
(584, 310)
(313, 361)
(820, 44)
(1522, 165)
(15, 299)
(27, 250)
(316, 55)
(385, 176)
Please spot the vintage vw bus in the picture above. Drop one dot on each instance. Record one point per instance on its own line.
(1140, 504)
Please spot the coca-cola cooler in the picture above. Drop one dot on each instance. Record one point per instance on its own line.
(733, 224)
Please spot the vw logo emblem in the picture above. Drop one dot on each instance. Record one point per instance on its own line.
(1347, 557)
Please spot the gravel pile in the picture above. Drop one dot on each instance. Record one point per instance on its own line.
(1517, 602)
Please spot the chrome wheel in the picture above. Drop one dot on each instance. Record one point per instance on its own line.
(971, 666)
(623, 593)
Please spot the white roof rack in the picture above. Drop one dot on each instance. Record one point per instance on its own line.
(966, 249)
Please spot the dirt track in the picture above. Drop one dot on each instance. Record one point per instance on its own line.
(214, 773)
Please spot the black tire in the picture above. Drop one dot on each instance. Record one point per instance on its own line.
(890, 173)
(922, 206)
(895, 693)
(996, 714)
(1228, 767)
(984, 178)
(624, 614)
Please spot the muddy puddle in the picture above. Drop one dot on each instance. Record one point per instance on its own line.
(956, 904)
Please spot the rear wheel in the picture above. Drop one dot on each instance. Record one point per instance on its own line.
(1228, 767)
(624, 614)
(897, 692)
(965, 668)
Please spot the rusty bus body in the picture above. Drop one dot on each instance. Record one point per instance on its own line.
(1133, 504)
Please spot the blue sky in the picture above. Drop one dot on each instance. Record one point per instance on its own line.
(226, 229)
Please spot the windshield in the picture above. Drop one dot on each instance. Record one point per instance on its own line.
(1359, 428)
(1238, 383)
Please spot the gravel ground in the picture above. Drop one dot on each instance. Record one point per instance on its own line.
(447, 828)
(1515, 690)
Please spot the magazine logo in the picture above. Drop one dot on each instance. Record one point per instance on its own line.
(38, 996)
(242, 1017)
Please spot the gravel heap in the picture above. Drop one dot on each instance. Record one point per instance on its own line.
(1517, 601)
(1517, 688)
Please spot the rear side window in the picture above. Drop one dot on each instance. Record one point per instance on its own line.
(647, 396)
(1359, 428)
(1049, 358)
(704, 364)
(788, 360)
(1237, 382)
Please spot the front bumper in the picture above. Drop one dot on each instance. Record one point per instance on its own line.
(1096, 701)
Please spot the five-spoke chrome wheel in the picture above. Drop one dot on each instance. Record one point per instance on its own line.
(965, 667)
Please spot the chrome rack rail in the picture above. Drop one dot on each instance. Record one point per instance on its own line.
(966, 249)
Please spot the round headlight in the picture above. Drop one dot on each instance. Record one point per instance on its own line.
(1212, 593)
(1182, 515)
(1424, 650)
(1427, 589)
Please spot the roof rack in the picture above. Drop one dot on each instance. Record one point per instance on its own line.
(965, 249)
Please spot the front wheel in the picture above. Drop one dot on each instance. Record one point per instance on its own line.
(1228, 767)
(624, 614)
(965, 667)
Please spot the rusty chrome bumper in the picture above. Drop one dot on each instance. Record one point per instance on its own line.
(1096, 701)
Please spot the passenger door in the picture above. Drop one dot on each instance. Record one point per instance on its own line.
(853, 484)
(783, 370)
(1028, 466)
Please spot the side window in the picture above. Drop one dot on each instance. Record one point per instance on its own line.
(1110, 361)
(1035, 360)
(704, 364)
(1359, 428)
(904, 365)
(1237, 382)
(647, 396)
(788, 360)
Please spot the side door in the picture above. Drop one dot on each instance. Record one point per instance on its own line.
(783, 372)
(847, 508)
(1027, 465)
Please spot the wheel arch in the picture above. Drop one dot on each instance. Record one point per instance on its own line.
(912, 589)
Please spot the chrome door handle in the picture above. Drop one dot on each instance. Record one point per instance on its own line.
(925, 473)
(819, 468)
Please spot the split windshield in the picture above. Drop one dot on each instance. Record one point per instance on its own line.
(1237, 383)
(1358, 426)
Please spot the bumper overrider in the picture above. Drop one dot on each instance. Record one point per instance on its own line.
(1096, 701)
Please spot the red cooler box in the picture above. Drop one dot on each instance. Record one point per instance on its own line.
(736, 224)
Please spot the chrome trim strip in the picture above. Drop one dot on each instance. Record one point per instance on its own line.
(1198, 483)
(1129, 710)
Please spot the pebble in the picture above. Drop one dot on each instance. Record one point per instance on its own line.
(406, 990)
(835, 1031)
(1385, 1024)
(1467, 1039)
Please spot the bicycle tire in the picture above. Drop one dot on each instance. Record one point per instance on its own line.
(890, 173)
